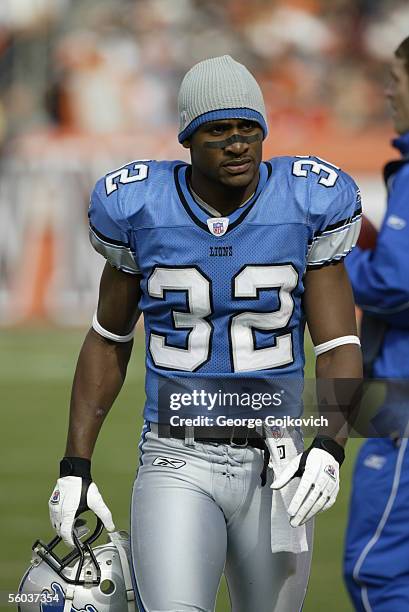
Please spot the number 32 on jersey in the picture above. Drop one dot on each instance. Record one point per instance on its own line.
(197, 318)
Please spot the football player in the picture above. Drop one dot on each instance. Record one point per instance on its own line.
(226, 257)
(376, 553)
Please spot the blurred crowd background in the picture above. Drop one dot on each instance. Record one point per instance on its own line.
(103, 66)
(85, 86)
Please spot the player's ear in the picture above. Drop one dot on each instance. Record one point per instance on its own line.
(186, 143)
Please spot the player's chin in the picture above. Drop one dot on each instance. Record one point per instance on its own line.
(237, 179)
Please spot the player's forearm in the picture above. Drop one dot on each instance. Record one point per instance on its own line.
(339, 375)
(99, 376)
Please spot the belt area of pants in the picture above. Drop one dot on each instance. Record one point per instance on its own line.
(236, 436)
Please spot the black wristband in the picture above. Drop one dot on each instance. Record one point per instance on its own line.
(333, 448)
(75, 466)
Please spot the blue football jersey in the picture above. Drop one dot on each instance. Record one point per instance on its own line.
(221, 297)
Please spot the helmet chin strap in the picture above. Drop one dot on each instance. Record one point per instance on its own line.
(69, 597)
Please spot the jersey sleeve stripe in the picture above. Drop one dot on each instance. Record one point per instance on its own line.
(117, 255)
(107, 240)
(334, 245)
(331, 232)
(340, 224)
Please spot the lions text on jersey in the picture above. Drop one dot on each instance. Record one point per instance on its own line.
(221, 297)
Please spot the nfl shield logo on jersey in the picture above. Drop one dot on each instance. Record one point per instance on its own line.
(218, 225)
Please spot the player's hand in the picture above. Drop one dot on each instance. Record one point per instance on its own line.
(318, 468)
(71, 496)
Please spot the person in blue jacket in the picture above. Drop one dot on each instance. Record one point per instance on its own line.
(376, 562)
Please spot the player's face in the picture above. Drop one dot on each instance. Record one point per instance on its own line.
(228, 151)
(397, 93)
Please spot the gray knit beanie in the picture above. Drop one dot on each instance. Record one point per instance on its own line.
(219, 88)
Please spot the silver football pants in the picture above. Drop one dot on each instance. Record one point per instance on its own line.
(198, 511)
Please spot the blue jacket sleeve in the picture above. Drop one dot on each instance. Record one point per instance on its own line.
(380, 278)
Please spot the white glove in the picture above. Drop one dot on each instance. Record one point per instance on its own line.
(71, 496)
(319, 485)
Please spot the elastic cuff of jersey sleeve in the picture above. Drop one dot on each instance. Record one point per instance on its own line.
(333, 448)
(109, 335)
(75, 466)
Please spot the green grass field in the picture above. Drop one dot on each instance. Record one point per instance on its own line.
(36, 368)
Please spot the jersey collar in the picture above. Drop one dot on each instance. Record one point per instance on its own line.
(198, 214)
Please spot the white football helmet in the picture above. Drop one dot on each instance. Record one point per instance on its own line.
(85, 580)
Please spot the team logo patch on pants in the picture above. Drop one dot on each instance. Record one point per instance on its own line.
(169, 462)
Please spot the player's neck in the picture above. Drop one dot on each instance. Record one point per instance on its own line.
(223, 199)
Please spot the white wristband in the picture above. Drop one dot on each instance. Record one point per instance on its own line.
(331, 344)
(109, 335)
